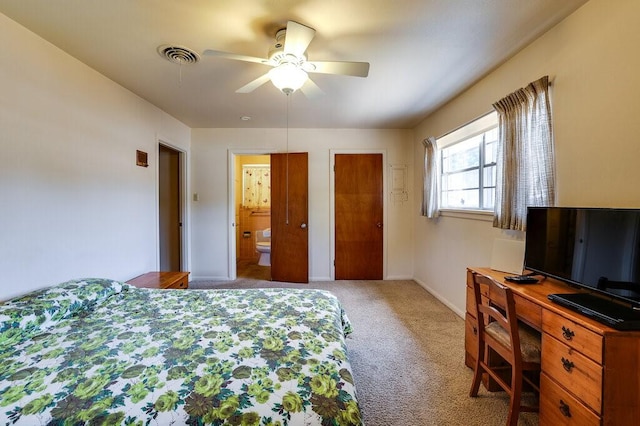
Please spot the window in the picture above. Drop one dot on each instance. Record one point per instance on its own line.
(468, 165)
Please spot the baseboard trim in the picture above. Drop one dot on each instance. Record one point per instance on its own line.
(311, 279)
(208, 278)
(399, 278)
(435, 294)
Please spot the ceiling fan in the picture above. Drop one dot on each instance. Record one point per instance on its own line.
(288, 59)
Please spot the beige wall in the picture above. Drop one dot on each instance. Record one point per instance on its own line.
(592, 59)
(74, 203)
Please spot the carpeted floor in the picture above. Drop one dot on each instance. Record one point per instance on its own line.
(407, 355)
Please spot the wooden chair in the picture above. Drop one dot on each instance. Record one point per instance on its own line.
(518, 344)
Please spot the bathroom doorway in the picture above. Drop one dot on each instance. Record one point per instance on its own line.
(252, 204)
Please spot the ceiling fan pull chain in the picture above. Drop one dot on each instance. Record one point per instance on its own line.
(287, 166)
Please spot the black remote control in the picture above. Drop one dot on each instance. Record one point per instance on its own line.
(521, 279)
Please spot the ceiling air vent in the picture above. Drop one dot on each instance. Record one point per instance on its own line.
(178, 54)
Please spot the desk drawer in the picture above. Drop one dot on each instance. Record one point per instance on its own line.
(471, 300)
(574, 371)
(528, 311)
(559, 408)
(572, 334)
(471, 340)
(471, 303)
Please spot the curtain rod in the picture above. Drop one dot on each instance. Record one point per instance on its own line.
(551, 81)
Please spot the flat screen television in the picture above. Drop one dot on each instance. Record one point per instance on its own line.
(597, 249)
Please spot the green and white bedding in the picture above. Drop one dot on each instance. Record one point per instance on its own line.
(96, 352)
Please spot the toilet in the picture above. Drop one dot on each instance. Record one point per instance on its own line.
(263, 246)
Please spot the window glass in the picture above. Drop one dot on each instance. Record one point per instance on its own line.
(468, 166)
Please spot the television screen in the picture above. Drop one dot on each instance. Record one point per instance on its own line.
(595, 248)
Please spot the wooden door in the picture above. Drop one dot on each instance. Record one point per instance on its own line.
(169, 208)
(289, 217)
(358, 216)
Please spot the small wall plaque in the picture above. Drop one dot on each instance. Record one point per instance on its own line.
(141, 159)
(398, 183)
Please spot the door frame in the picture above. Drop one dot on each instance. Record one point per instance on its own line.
(185, 261)
(231, 204)
(332, 207)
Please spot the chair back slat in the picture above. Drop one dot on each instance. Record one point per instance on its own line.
(500, 307)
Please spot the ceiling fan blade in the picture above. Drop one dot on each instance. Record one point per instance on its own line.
(250, 87)
(298, 38)
(356, 69)
(235, 56)
(311, 89)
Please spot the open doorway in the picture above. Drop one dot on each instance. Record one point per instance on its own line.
(170, 209)
(252, 205)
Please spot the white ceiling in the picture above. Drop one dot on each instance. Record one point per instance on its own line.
(422, 52)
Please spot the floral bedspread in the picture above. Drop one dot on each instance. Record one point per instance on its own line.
(101, 352)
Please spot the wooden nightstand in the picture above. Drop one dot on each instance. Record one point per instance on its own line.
(176, 280)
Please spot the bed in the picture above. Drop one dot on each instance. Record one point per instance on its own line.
(98, 351)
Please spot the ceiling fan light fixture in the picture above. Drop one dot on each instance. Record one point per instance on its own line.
(287, 77)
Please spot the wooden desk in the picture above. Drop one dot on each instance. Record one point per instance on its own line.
(590, 372)
(178, 280)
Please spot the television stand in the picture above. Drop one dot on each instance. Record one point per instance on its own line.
(587, 367)
(613, 314)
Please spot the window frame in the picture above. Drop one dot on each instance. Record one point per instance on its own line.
(479, 126)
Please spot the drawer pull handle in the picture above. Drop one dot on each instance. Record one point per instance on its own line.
(475, 330)
(567, 364)
(564, 409)
(567, 333)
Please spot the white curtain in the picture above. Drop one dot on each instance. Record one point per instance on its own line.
(256, 182)
(430, 194)
(526, 158)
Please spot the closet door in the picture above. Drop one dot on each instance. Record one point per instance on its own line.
(358, 217)
(289, 217)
